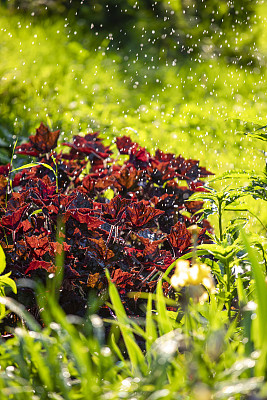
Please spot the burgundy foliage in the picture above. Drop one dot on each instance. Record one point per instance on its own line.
(136, 235)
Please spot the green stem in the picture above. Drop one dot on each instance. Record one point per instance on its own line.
(220, 219)
(188, 321)
(55, 173)
(9, 179)
(228, 286)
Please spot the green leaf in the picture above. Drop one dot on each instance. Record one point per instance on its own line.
(233, 175)
(2, 260)
(150, 325)
(109, 194)
(116, 348)
(169, 269)
(242, 297)
(215, 268)
(260, 287)
(220, 252)
(199, 253)
(30, 165)
(49, 167)
(204, 196)
(35, 164)
(21, 311)
(37, 358)
(260, 136)
(36, 212)
(164, 322)
(6, 281)
(261, 297)
(135, 353)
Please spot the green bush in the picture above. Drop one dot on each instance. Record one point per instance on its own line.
(178, 26)
(197, 109)
(46, 75)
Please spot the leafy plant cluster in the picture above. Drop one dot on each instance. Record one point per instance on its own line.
(171, 27)
(201, 354)
(130, 217)
(166, 346)
(111, 91)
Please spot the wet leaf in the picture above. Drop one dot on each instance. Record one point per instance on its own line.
(2, 260)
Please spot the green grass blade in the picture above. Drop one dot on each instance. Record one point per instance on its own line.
(33, 349)
(164, 321)
(151, 331)
(242, 297)
(6, 281)
(261, 297)
(78, 349)
(21, 311)
(135, 354)
(246, 315)
(260, 288)
(2, 260)
(34, 164)
(30, 165)
(116, 348)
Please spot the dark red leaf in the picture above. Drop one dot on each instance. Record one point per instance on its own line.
(179, 239)
(93, 280)
(4, 169)
(113, 211)
(27, 149)
(193, 206)
(44, 140)
(3, 185)
(58, 248)
(139, 215)
(121, 278)
(91, 222)
(134, 235)
(39, 245)
(147, 237)
(89, 183)
(90, 144)
(26, 225)
(140, 158)
(37, 264)
(125, 145)
(197, 186)
(98, 248)
(164, 157)
(104, 183)
(128, 179)
(13, 220)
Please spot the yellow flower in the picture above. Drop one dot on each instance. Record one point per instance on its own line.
(194, 230)
(198, 274)
(180, 276)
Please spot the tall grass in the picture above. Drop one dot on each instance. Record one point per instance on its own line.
(201, 355)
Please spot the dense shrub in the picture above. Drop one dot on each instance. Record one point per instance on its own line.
(130, 217)
(187, 26)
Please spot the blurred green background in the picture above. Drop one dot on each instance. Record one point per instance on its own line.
(187, 76)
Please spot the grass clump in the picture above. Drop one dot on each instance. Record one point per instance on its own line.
(82, 358)
(218, 304)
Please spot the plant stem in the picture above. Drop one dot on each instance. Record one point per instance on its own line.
(220, 219)
(228, 286)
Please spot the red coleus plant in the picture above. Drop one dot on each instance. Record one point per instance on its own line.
(41, 143)
(136, 235)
